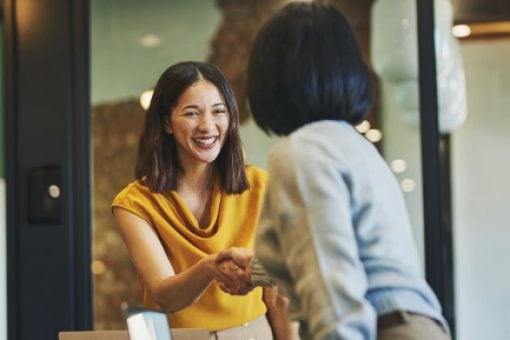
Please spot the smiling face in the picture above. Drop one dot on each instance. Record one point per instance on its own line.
(199, 123)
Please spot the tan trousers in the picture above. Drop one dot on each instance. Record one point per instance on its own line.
(413, 327)
(258, 329)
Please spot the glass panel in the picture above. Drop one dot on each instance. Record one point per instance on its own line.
(401, 149)
(393, 57)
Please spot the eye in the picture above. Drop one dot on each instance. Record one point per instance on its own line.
(190, 113)
(219, 111)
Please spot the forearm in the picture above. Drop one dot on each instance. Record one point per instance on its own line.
(172, 291)
(184, 289)
(277, 315)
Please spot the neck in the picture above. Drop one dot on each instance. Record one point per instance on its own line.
(198, 178)
(195, 187)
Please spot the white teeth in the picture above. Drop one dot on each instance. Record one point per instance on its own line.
(205, 141)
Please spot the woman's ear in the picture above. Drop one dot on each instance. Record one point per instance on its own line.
(167, 126)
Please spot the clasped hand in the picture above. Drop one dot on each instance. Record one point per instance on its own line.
(234, 264)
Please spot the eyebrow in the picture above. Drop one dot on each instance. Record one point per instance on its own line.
(189, 107)
(196, 106)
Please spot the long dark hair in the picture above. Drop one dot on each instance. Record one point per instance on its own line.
(157, 164)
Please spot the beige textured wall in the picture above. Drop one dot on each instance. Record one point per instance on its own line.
(116, 128)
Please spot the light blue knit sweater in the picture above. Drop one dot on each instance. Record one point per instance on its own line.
(335, 234)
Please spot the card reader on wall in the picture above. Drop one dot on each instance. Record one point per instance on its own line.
(44, 194)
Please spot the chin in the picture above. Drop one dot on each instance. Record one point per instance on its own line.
(208, 158)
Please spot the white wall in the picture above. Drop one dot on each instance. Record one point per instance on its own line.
(480, 189)
(481, 195)
(120, 66)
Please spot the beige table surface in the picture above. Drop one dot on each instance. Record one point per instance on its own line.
(177, 334)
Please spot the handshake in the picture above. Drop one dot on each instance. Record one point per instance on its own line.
(240, 271)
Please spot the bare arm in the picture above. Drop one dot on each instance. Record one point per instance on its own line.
(172, 291)
(277, 305)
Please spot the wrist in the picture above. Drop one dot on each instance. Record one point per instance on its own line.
(208, 266)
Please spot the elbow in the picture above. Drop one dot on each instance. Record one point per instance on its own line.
(281, 303)
(275, 301)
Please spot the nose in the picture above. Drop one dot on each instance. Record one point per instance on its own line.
(205, 123)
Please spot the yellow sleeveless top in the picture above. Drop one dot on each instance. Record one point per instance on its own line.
(233, 222)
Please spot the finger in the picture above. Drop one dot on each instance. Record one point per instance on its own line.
(243, 275)
(232, 290)
(236, 277)
(229, 268)
(224, 287)
(224, 273)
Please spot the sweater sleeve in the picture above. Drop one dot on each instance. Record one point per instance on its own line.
(308, 233)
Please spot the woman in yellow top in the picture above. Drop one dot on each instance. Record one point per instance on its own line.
(193, 198)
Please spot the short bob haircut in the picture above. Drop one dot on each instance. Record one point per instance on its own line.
(157, 164)
(305, 66)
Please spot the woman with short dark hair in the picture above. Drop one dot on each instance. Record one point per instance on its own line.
(334, 231)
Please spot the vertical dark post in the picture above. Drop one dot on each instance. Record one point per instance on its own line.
(80, 112)
(447, 231)
(438, 245)
(46, 50)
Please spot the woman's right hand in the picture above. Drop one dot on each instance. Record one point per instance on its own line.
(234, 266)
(241, 256)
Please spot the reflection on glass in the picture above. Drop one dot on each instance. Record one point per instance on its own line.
(150, 40)
(394, 58)
(146, 324)
(374, 135)
(145, 99)
(407, 185)
(461, 31)
(398, 165)
(363, 127)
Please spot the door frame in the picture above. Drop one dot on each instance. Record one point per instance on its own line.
(47, 110)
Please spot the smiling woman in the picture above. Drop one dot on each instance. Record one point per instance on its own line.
(193, 198)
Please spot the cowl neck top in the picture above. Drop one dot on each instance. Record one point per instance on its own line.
(232, 222)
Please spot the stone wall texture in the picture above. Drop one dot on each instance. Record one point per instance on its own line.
(116, 128)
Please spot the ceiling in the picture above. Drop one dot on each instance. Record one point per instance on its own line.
(477, 11)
